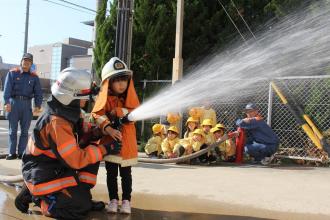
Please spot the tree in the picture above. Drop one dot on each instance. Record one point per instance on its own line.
(105, 35)
(206, 28)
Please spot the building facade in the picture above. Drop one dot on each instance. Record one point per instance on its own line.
(51, 59)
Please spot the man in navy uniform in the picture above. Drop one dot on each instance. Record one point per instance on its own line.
(262, 142)
(21, 85)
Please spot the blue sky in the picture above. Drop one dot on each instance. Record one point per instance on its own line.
(49, 23)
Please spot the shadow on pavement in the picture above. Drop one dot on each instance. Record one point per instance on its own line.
(139, 214)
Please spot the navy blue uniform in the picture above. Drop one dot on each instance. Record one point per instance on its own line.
(263, 141)
(20, 87)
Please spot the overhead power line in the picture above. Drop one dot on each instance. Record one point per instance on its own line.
(66, 6)
(79, 6)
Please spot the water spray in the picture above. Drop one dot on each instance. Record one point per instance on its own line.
(297, 45)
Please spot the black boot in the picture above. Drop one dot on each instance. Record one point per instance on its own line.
(11, 156)
(182, 150)
(97, 205)
(23, 199)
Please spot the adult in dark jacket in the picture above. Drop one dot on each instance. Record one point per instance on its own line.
(262, 142)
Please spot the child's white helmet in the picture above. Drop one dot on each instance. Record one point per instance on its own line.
(72, 84)
(115, 67)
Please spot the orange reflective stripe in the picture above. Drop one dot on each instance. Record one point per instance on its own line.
(51, 186)
(49, 153)
(68, 150)
(95, 153)
(101, 119)
(66, 144)
(87, 177)
(35, 151)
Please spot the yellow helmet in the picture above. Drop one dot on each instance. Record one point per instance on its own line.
(207, 122)
(220, 126)
(215, 129)
(174, 129)
(157, 128)
(199, 131)
(173, 118)
(192, 119)
(195, 112)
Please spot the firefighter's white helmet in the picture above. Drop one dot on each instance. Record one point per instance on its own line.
(115, 67)
(72, 84)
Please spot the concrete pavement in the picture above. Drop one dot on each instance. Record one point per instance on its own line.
(254, 191)
(200, 192)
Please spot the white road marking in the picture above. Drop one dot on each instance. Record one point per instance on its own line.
(6, 132)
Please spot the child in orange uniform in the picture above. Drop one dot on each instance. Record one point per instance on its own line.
(116, 99)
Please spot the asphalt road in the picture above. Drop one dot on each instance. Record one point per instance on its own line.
(4, 129)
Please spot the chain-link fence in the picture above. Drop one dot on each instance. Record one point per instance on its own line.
(148, 89)
(312, 94)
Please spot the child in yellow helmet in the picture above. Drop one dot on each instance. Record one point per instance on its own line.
(191, 124)
(209, 139)
(171, 142)
(226, 150)
(153, 147)
(192, 144)
(207, 124)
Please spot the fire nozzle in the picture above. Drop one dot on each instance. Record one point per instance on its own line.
(125, 119)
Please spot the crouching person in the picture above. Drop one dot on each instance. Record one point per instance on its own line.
(153, 147)
(58, 174)
(171, 142)
(262, 142)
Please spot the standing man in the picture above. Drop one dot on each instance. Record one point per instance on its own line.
(21, 86)
(262, 142)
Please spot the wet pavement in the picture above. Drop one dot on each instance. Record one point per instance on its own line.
(9, 212)
(225, 191)
(167, 192)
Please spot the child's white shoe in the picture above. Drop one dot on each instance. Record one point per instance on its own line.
(125, 207)
(113, 206)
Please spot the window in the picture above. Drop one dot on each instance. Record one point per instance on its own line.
(56, 61)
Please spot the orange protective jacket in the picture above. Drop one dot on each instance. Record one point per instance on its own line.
(107, 104)
(53, 159)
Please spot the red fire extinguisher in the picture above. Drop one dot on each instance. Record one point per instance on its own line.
(240, 143)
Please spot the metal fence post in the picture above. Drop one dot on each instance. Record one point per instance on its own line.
(143, 94)
(270, 105)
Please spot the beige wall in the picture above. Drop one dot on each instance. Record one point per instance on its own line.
(42, 56)
(82, 62)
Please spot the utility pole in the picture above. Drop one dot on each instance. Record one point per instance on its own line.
(94, 76)
(26, 25)
(178, 61)
(98, 6)
(124, 30)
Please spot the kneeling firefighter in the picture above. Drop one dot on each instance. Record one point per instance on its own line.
(58, 172)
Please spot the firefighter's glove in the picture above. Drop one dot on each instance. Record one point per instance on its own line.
(115, 122)
(113, 147)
